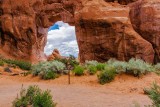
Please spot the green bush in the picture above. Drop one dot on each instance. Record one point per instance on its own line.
(138, 67)
(70, 62)
(92, 70)
(154, 95)
(134, 67)
(48, 70)
(157, 68)
(48, 75)
(78, 70)
(100, 66)
(107, 75)
(40, 67)
(57, 66)
(88, 63)
(43, 99)
(34, 97)
(1, 62)
(21, 64)
(120, 66)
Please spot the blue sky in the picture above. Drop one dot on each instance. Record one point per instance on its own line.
(62, 37)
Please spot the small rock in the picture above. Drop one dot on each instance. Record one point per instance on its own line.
(7, 69)
(14, 74)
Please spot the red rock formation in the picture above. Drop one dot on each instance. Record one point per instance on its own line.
(123, 2)
(104, 31)
(24, 25)
(145, 18)
(103, 28)
(55, 55)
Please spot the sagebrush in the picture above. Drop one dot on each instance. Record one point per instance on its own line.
(92, 69)
(34, 97)
(134, 66)
(48, 69)
(78, 70)
(154, 94)
(107, 75)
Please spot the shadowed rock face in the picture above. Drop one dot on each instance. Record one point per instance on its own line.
(123, 2)
(145, 18)
(103, 29)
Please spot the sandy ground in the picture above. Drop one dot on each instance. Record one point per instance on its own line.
(83, 91)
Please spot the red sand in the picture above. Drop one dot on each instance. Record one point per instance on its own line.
(83, 91)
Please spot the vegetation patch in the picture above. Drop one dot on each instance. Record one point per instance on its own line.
(154, 94)
(34, 97)
(157, 68)
(100, 66)
(1, 62)
(48, 69)
(93, 63)
(21, 64)
(70, 62)
(107, 75)
(92, 70)
(134, 67)
(78, 70)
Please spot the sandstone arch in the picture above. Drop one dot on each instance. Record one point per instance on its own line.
(24, 25)
(103, 29)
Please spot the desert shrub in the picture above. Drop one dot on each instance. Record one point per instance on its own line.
(43, 99)
(40, 67)
(100, 66)
(92, 69)
(157, 68)
(107, 75)
(154, 94)
(70, 62)
(88, 63)
(120, 66)
(34, 97)
(1, 62)
(21, 64)
(48, 75)
(57, 66)
(138, 67)
(134, 67)
(48, 70)
(78, 70)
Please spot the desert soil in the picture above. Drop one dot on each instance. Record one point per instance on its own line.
(85, 91)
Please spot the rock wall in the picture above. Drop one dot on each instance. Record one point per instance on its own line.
(103, 27)
(145, 18)
(104, 31)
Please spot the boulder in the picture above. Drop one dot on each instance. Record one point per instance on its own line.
(55, 55)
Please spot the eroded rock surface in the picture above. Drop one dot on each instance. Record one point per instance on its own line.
(24, 25)
(104, 31)
(55, 55)
(145, 18)
(103, 27)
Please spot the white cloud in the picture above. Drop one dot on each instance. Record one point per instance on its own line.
(64, 39)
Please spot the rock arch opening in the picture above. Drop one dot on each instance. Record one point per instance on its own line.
(61, 36)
